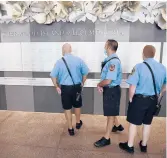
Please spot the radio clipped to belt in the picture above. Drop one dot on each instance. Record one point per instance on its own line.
(78, 94)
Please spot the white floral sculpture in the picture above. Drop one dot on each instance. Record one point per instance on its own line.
(47, 12)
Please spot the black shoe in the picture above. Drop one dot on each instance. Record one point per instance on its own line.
(102, 142)
(143, 148)
(71, 132)
(119, 128)
(124, 146)
(79, 125)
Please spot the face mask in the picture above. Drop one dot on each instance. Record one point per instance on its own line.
(105, 52)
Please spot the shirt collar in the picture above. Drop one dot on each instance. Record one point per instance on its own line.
(111, 56)
(67, 54)
(149, 59)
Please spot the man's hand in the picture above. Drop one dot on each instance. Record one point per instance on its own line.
(58, 90)
(132, 90)
(82, 85)
(100, 89)
(130, 100)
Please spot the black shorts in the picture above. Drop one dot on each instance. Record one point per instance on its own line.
(111, 100)
(71, 96)
(141, 110)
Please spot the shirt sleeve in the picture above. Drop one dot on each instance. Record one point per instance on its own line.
(55, 70)
(165, 77)
(112, 70)
(84, 68)
(133, 78)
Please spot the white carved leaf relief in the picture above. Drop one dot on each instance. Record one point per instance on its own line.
(83, 18)
(129, 16)
(47, 12)
(40, 18)
(6, 12)
(141, 17)
(133, 6)
(116, 16)
(75, 15)
(108, 11)
(161, 19)
(91, 17)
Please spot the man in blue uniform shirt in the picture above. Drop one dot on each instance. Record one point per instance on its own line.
(70, 86)
(142, 98)
(111, 77)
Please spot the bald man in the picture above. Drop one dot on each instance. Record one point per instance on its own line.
(68, 76)
(143, 98)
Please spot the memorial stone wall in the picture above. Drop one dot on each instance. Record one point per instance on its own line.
(28, 52)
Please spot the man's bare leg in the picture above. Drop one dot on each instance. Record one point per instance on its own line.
(68, 116)
(104, 141)
(110, 121)
(77, 114)
(146, 134)
(132, 134)
(128, 146)
(116, 122)
(117, 126)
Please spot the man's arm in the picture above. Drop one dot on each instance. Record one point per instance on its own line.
(133, 80)
(84, 79)
(104, 83)
(132, 90)
(163, 89)
(112, 70)
(84, 71)
(55, 83)
(54, 75)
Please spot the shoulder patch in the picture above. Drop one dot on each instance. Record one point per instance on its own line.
(133, 71)
(112, 67)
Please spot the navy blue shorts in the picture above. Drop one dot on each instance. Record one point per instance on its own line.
(71, 96)
(111, 100)
(141, 110)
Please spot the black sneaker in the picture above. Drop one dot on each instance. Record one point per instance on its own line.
(102, 142)
(79, 125)
(143, 148)
(119, 128)
(124, 146)
(71, 132)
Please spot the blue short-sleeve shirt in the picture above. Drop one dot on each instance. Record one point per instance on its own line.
(142, 79)
(77, 68)
(112, 71)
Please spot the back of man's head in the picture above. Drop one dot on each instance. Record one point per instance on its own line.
(112, 44)
(149, 51)
(66, 48)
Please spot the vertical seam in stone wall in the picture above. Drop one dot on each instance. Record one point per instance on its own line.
(93, 97)
(161, 52)
(3, 103)
(21, 56)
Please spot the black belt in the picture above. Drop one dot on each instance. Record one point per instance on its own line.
(145, 96)
(79, 84)
(111, 87)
